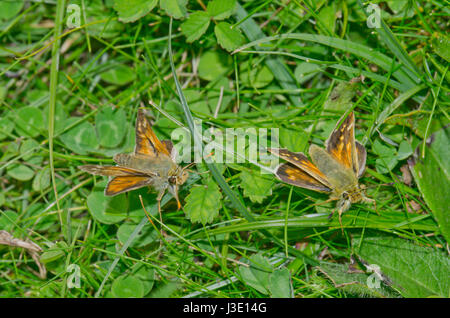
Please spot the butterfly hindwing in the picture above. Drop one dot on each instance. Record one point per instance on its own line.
(362, 155)
(146, 141)
(291, 174)
(122, 184)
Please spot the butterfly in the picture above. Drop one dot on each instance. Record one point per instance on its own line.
(152, 164)
(334, 170)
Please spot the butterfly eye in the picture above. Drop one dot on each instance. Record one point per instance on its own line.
(173, 179)
(345, 195)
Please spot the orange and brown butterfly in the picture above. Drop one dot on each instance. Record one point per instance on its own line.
(334, 170)
(152, 164)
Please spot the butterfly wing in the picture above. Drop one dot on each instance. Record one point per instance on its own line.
(362, 155)
(301, 161)
(146, 141)
(122, 184)
(341, 143)
(112, 171)
(291, 174)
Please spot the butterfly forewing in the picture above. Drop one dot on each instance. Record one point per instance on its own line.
(301, 161)
(112, 171)
(341, 143)
(362, 155)
(291, 174)
(146, 141)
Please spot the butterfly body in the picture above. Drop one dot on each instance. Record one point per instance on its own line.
(334, 169)
(152, 164)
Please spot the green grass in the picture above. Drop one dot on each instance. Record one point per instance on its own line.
(69, 96)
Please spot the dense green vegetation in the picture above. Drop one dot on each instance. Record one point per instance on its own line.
(73, 74)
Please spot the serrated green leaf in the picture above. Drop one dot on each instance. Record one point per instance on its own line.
(280, 285)
(174, 8)
(256, 187)
(195, 25)
(432, 175)
(203, 203)
(228, 37)
(415, 271)
(221, 9)
(132, 10)
(110, 125)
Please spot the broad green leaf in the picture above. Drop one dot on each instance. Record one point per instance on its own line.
(327, 18)
(257, 275)
(6, 127)
(131, 10)
(340, 98)
(197, 102)
(404, 150)
(174, 8)
(144, 237)
(255, 76)
(53, 253)
(29, 121)
(414, 270)
(145, 274)
(228, 37)
(9, 9)
(203, 203)
(111, 126)
(126, 286)
(119, 74)
(107, 210)
(387, 157)
(81, 138)
(221, 9)
(280, 285)
(42, 180)
(195, 25)
(304, 71)
(441, 45)
(7, 220)
(213, 64)
(166, 290)
(294, 140)
(355, 282)
(432, 175)
(20, 172)
(256, 187)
